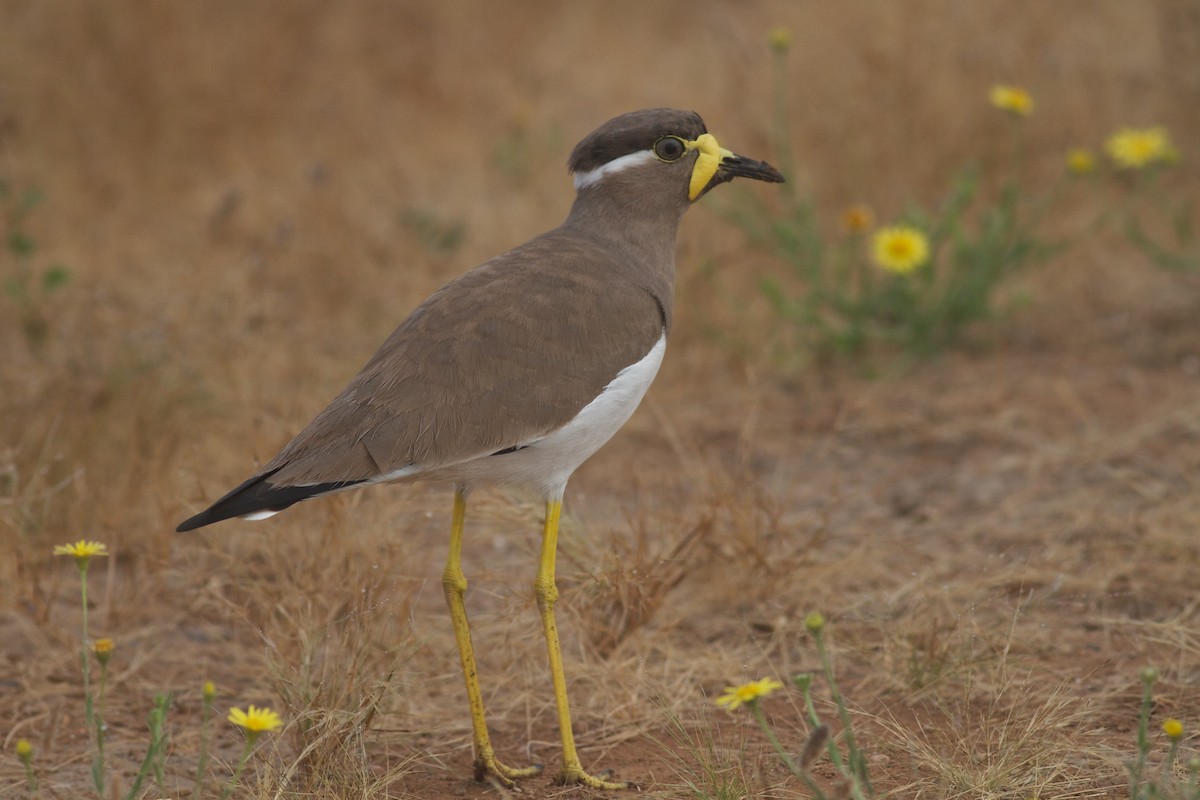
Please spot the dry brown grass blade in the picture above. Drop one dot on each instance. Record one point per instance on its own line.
(632, 585)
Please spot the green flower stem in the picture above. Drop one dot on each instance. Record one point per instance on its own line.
(835, 755)
(857, 760)
(809, 709)
(89, 714)
(761, 719)
(83, 650)
(103, 689)
(851, 292)
(156, 750)
(205, 716)
(98, 764)
(1172, 756)
(1017, 155)
(1122, 211)
(251, 736)
(1143, 740)
(793, 767)
(158, 737)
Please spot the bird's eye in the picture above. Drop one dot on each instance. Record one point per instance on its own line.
(669, 148)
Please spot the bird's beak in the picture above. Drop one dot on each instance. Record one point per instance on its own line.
(716, 165)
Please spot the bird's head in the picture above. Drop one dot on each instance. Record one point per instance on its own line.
(657, 150)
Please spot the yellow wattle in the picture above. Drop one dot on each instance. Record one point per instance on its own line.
(706, 164)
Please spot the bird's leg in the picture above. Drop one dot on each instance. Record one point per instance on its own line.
(547, 595)
(454, 583)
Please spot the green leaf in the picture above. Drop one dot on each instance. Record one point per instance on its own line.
(55, 277)
(31, 199)
(20, 243)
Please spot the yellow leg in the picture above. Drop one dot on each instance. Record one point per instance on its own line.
(547, 596)
(454, 583)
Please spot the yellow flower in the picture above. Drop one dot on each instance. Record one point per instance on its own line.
(747, 693)
(103, 649)
(780, 39)
(82, 550)
(1012, 99)
(815, 622)
(255, 720)
(24, 750)
(1080, 161)
(900, 249)
(1136, 148)
(857, 219)
(208, 691)
(1173, 728)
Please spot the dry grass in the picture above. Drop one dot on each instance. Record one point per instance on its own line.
(250, 197)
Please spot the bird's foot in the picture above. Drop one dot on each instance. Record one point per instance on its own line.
(487, 765)
(573, 775)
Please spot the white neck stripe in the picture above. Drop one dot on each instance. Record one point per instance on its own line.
(583, 179)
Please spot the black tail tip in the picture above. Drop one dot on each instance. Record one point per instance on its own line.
(256, 497)
(191, 524)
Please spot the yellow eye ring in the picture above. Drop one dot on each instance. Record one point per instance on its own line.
(670, 148)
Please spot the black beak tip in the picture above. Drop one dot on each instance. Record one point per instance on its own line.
(771, 175)
(741, 167)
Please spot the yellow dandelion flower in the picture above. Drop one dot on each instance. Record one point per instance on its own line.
(900, 249)
(255, 720)
(103, 649)
(1173, 728)
(747, 693)
(24, 750)
(780, 39)
(857, 219)
(208, 691)
(1136, 148)
(1012, 99)
(81, 550)
(1080, 161)
(815, 622)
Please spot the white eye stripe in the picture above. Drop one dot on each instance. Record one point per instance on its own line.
(583, 179)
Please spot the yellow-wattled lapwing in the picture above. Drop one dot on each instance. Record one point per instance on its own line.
(519, 370)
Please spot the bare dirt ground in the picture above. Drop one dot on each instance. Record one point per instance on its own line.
(249, 197)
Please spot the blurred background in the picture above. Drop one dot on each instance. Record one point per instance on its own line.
(220, 209)
(247, 198)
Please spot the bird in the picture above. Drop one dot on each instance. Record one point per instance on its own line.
(517, 371)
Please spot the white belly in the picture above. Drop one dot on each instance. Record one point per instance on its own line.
(548, 462)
